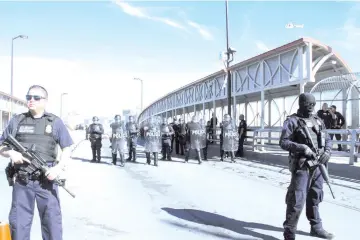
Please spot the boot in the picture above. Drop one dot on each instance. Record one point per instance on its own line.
(114, 155)
(222, 155)
(122, 160)
(321, 233)
(156, 159)
(187, 153)
(232, 155)
(198, 156)
(148, 160)
(93, 155)
(169, 155)
(130, 155)
(98, 155)
(163, 153)
(134, 154)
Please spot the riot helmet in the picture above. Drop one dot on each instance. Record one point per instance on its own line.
(227, 118)
(95, 119)
(195, 119)
(117, 118)
(202, 122)
(307, 104)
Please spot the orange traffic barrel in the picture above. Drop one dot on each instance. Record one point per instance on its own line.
(5, 231)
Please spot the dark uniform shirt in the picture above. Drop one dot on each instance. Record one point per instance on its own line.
(60, 132)
(327, 117)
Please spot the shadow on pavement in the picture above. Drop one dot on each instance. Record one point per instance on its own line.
(89, 161)
(216, 220)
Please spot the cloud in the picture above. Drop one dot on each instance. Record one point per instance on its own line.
(141, 13)
(351, 30)
(261, 46)
(202, 30)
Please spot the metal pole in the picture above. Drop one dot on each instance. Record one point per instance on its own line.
(228, 60)
(142, 95)
(12, 76)
(61, 104)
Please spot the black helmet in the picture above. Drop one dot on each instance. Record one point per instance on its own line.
(95, 118)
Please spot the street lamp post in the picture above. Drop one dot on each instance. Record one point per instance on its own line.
(142, 92)
(229, 58)
(12, 68)
(61, 104)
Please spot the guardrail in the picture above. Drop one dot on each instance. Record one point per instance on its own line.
(351, 136)
(266, 138)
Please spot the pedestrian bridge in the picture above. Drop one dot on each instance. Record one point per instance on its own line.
(6, 103)
(265, 89)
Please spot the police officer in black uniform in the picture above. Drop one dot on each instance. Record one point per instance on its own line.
(173, 137)
(181, 136)
(242, 135)
(166, 133)
(133, 133)
(46, 131)
(306, 184)
(96, 131)
(206, 127)
(194, 131)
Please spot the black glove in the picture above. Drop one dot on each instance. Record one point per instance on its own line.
(309, 154)
(324, 158)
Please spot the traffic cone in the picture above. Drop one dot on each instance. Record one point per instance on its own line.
(5, 231)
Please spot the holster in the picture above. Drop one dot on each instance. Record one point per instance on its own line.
(10, 174)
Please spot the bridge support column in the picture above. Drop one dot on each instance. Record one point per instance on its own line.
(183, 113)
(234, 115)
(194, 109)
(1, 121)
(269, 117)
(262, 117)
(203, 108)
(344, 113)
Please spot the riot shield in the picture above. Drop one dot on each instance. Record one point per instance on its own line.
(152, 135)
(197, 136)
(230, 137)
(119, 138)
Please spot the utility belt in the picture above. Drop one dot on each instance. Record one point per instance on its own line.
(299, 161)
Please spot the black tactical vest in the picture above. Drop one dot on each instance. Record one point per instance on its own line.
(314, 126)
(95, 130)
(38, 131)
(165, 128)
(132, 128)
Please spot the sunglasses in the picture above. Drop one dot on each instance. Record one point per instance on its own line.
(35, 97)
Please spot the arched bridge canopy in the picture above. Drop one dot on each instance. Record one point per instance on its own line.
(287, 70)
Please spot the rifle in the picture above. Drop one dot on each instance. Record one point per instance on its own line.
(36, 161)
(322, 168)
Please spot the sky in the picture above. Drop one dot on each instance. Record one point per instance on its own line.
(93, 50)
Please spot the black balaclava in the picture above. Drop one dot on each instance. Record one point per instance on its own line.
(307, 103)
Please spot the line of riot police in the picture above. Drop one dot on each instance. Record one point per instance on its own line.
(161, 136)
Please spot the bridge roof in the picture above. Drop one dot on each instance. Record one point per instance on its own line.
(318, 49)
(12, 97)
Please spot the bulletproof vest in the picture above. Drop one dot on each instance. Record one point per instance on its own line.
(132, 128)
(38, 131)
(165, 129)
(314, 127)
(118, 131)
(182, 129)
(95, 130)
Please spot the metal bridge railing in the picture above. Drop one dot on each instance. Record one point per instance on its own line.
(352, 141)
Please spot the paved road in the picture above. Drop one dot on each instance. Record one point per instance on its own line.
(182, 201)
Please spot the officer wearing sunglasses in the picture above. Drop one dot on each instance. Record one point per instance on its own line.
(46, 131)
